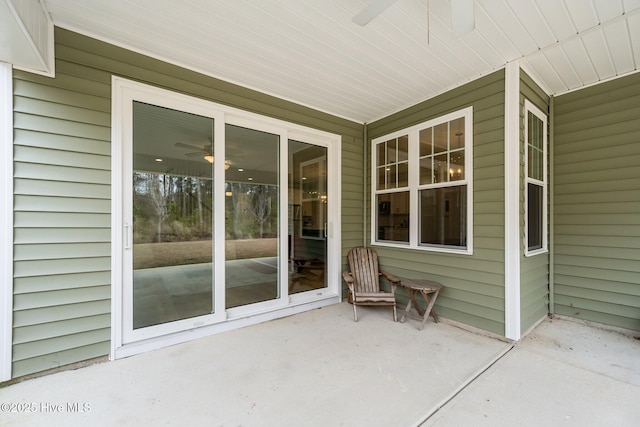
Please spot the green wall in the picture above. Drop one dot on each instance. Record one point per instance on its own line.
(473, 284)
(62, 230)
(597, 203)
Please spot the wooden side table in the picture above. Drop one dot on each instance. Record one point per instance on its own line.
(424, 288)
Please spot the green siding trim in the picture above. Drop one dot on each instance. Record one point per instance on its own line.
(473, 290)
(597, 211)
(62, 190)
(534, 270)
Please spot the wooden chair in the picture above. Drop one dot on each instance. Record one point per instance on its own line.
(364, 281)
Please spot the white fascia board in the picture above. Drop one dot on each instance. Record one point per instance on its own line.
(512, 201)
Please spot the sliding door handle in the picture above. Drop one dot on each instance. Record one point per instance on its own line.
(127, 236)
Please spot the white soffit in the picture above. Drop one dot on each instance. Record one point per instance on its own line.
(310, 52)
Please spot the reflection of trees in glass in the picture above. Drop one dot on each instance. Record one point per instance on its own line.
(260, 206)
(171, 208)
(251, 210)
(157, 191)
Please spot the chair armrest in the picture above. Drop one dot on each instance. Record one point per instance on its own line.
(390, 277)
(346, 275)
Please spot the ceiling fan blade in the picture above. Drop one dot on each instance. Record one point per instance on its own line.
(188, 146)
(462, 17)
(375, 8)
(203, 149)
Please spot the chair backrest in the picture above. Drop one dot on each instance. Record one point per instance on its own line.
(363, 263)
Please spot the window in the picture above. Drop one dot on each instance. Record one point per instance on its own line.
(392, 184)
(422, 189)
(535, 134)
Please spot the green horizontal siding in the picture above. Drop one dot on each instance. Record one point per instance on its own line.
(60, 297)
(33, 203)
(33, 284)
(61, 251)
(61, 142)
(352, 196)
(62, 190)
(597, 203)
(62, 218)
(65, 327)
(46, 267)
(61, 235)
(473, 284)
(534, 270)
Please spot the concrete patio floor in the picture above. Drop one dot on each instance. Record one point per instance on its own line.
(320, 368)
(565, 372)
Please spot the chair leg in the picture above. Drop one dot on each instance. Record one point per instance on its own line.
(355, 315)
(395, 315)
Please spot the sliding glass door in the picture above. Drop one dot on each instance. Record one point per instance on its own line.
(252, 216)
(309, 200)
(172, 221)
(218, 216)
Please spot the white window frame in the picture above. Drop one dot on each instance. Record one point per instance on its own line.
(125, 341)
(414, 187)
(6, 219)
(529, 107)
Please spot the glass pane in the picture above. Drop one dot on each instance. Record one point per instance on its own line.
(457, 133)
(535, 164)
(390, 172)
(426, 142)
(456, 166)
(535, 131)
(530, 159)
(310, 181)
(441, 170)
(172, 215)
(441, 138)
(382, 178)
(534, 216)
(535, 149)
(393, 217)
(391, 151)
(443, 216)
(307, 218)
(381, 158)
(426, 170)
(252, 216)
(403, 174)
(403, 148)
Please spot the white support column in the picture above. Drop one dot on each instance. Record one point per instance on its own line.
(512, 201)
(6, 219)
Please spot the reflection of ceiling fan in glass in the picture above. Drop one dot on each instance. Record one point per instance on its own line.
(462, 18)
(205, 151)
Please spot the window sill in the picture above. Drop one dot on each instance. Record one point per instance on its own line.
(536, 252)
(447, 250)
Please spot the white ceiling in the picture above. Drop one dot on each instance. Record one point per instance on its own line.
(310, 52)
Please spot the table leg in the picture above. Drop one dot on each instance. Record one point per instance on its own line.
(411, 294)
(430, 302)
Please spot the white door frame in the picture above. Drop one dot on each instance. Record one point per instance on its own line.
(125, 341)
(6, 219)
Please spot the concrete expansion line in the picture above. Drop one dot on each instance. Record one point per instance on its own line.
(464, 385)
